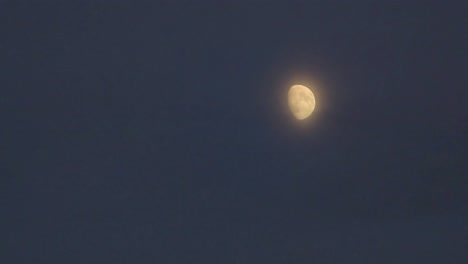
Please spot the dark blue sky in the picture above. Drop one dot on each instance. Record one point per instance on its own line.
(157, 132)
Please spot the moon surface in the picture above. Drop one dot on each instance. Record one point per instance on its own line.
(301, 101)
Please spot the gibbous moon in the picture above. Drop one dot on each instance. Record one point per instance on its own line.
(301, 101)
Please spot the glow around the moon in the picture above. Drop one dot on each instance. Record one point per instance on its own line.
(301, 101)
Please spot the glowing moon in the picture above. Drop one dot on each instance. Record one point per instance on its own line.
(301, 101)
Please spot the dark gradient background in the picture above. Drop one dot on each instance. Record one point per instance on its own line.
(156, 132)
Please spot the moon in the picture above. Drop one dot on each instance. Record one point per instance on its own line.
(301, 101)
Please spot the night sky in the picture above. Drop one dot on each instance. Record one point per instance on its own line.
(158, 132)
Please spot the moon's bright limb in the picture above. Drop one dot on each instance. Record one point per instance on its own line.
(301, 101)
